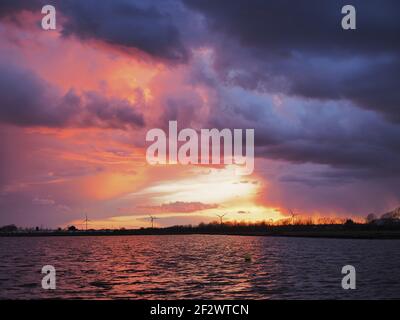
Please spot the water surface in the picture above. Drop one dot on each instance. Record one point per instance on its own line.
(198, 267)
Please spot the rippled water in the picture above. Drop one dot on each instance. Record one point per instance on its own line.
(198, 267)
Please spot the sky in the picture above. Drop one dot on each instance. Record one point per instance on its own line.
(76, 104)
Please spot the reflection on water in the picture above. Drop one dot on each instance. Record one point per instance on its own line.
(198, 267)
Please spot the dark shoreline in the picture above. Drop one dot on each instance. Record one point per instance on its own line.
(333, 234)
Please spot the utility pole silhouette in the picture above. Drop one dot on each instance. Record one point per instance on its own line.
(220, 216)
(152, 221)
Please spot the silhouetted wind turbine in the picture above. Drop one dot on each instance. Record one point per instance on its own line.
(220, 216)
(292, 215)
(86, 220)
(152, 221)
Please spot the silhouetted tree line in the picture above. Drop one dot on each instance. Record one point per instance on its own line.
(9, 228)
(387, 221)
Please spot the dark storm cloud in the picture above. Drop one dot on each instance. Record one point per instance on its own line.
(9, 7)
(300, 48)
(113, 113)
(345, 138)
(123, 23)
(27, 100)
(372, 85)
(23, 99)
(300, 130)
(314, 25)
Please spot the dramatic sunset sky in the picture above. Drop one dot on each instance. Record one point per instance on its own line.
(76, 103)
